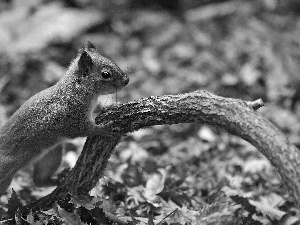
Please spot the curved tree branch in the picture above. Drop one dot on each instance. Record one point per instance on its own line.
(233, 115)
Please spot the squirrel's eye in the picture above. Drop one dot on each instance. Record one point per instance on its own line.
(106, 74)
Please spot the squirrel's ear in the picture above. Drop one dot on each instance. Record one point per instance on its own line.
(85, 63)
(90, 46)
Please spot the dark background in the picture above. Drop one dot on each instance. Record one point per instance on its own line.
(239, 49)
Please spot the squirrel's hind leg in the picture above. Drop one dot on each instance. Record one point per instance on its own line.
(45, 167)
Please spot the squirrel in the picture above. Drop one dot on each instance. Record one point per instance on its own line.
(34, 133)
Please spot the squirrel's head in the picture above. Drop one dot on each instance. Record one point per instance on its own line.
(97, 72)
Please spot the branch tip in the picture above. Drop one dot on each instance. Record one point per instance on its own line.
(256, 104)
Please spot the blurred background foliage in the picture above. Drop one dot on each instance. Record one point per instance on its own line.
(233, 48)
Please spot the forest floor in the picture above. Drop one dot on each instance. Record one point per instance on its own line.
(179, 174)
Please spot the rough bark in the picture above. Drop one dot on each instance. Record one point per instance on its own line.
(233, 115)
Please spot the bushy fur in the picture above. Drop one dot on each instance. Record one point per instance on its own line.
(56, 113)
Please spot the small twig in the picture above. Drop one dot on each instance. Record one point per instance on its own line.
(256, 104)
(167, 216)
